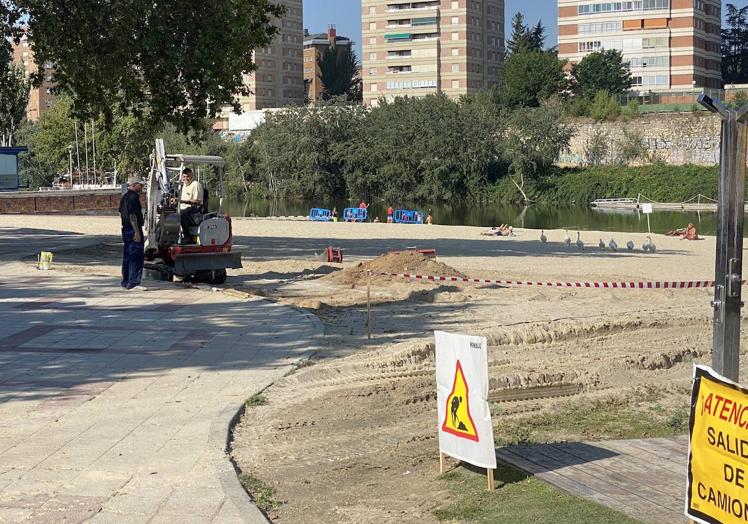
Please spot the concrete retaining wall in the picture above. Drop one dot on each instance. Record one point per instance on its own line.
(27, 202)
(674, 138)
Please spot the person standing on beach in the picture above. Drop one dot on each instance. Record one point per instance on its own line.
(390, 213)
(131, 213)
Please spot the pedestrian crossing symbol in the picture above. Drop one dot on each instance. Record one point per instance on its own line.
(457, 418)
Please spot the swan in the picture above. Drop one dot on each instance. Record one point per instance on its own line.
(580, 244)
(567, 239)
(543, 238)
(601, 244)
(612, 245)
(630, 245)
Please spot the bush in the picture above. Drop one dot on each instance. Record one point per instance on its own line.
(605, 107)
(577, 107)
(633, 108)
(659, 182)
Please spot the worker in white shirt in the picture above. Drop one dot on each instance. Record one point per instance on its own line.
(190, 202)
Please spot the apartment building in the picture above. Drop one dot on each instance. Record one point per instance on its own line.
(314, 46)
(279, 78)
(415, 48)
(671, 45)
(40, 98)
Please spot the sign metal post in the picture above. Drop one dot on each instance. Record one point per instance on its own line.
(727, 301)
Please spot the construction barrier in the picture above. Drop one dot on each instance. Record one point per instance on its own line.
(355, 214)
(406, 216)
(692, 284)
(320, 215)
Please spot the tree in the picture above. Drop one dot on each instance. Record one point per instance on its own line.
(524, 38)
(14, 99)
(339, 73)
(735, 46)
(534, 139)
(531, 77)
(176, 61)
(9, 17)
(601, 71)
(295, 149)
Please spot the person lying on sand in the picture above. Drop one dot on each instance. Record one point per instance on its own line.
(502, 231)
(685, 233)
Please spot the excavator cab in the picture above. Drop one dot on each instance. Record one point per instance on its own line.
(207, 252)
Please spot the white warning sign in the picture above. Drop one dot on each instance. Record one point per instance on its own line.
(465, 429)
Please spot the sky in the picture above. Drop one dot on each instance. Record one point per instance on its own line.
(346, 15)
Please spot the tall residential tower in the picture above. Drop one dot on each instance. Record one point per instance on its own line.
(279, 78)
(669, 44)
(415, 48)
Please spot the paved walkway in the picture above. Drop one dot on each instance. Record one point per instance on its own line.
(115, 405)
(644, 478)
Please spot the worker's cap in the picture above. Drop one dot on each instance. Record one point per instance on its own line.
(135, 180)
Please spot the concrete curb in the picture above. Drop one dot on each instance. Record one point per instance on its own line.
(222, 428)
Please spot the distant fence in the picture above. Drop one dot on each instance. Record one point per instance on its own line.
(683, 100)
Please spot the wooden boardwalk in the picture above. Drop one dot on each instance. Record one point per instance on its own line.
(643, 478)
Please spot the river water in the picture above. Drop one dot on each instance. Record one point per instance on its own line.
(487, 215)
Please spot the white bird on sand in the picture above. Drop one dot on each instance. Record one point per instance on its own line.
(612, 245)
(649, 246)
(543, 238)
(567, 239)
(580, 244)
(601, 244)
(630, 245)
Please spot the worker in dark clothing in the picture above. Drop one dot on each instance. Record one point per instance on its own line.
(131, 213)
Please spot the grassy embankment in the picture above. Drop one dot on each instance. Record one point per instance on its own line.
(661, 183)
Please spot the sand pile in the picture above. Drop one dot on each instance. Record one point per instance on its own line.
(403, 262)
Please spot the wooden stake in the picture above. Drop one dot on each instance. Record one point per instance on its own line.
(441, 463)
(489, 477)
(368, 307)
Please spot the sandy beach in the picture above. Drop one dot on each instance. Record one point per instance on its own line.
(354, 438)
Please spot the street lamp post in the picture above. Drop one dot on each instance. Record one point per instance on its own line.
(727, 301)
(70, 164)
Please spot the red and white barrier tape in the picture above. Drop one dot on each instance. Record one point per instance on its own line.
(693, 284)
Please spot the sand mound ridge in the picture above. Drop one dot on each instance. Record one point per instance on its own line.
(400, 262)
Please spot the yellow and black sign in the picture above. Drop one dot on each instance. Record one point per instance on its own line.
(457, 419)
(718, 456)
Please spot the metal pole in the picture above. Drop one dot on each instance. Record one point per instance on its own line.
(77, 148)
(85, 145)
(93, 148)
(727, 301)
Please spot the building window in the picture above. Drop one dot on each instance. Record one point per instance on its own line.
(455, 68)
(455, 51)
(373, 88)
(455, 20)
(372, 56)
(455, 84)
(372, 26)
(373, 10)
(455, 36)
(373, 40)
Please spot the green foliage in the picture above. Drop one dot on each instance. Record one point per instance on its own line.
(525, 39)
(297, 149)
(339, 74)
(258, 399)
(577, 107)
(519, 499)
(601, 71)
(531, 77)
(14, 97)
(263, 495)
(632, 148)
(175, 61)
(632, 108)
(430, 148)
(597, 149)
(605, 107)
(739, 100)
(659, 182)
(735, 45)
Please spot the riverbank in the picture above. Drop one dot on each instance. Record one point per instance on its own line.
(350, 436)
(658, 182)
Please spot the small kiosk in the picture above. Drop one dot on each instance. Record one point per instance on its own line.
(9, 167)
